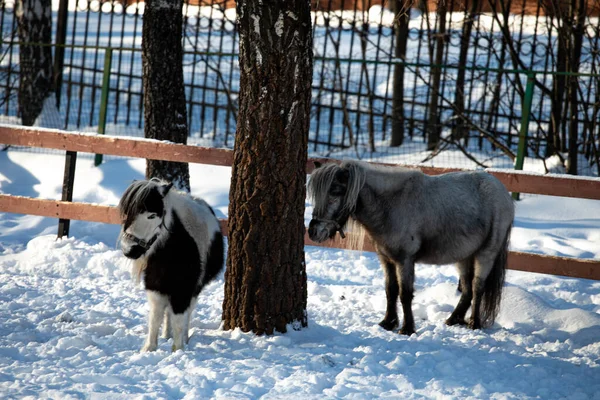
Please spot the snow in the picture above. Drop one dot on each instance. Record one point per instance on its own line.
(73, 320)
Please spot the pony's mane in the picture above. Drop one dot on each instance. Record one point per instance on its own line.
(321, 179)
(138, 197)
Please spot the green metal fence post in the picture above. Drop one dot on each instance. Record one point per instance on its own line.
(104, 99)
(525, 116)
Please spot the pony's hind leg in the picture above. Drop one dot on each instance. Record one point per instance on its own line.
(189, 312)
(490, 269)
(465, 269)
(158, 304)
(392, 289)
(483, 267)
(178, 323)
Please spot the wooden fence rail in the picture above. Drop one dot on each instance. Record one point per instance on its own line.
(556, 185)
(515, 181)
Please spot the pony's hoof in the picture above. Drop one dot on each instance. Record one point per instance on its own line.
(406, 331)
(473, 324)
(148, 347)
(175, 348)
(455, 321)
(389, 325)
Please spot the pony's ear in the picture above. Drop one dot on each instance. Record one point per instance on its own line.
(164, 189)
(318, 164)
(342, 176)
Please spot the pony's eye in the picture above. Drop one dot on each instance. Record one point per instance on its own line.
(151, 216)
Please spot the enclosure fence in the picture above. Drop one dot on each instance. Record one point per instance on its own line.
(72, 142)
(386, 84)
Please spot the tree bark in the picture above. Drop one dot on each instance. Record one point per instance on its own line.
(401, 9)
(265, 280)
(164, 96)
(34, 20)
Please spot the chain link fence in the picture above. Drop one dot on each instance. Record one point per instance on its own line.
(448, 116)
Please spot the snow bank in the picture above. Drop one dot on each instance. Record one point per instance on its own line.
(73, 320)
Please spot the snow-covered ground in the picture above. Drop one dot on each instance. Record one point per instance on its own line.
(73, 321)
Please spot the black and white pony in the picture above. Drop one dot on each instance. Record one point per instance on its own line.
(463, 218)
(176, 243)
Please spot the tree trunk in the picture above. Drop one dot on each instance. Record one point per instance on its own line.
(555, 144)
(578, 13)
(164, 96)
(265, 281)
(401, 9)
(459, 131)
(434, 127)
(363, 34)
(34, 19)
(497, 87)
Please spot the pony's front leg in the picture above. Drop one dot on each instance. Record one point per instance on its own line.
(406, 275)
(158, 304)
(390, 321)
(166, 333)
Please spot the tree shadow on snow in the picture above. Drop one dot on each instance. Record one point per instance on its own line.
(20, 182)
(117, 175)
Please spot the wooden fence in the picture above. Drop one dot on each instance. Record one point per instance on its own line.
(554, 185)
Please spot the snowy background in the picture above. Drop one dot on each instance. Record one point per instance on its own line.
(73, 321)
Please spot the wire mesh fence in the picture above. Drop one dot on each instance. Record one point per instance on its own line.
(364, 102)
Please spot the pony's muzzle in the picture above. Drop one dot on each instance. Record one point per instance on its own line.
(320, 231)
(131, 249)
(134, 252)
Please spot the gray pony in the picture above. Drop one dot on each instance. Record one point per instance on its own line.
(462, 217)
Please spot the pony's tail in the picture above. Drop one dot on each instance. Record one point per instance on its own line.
(492, 291)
